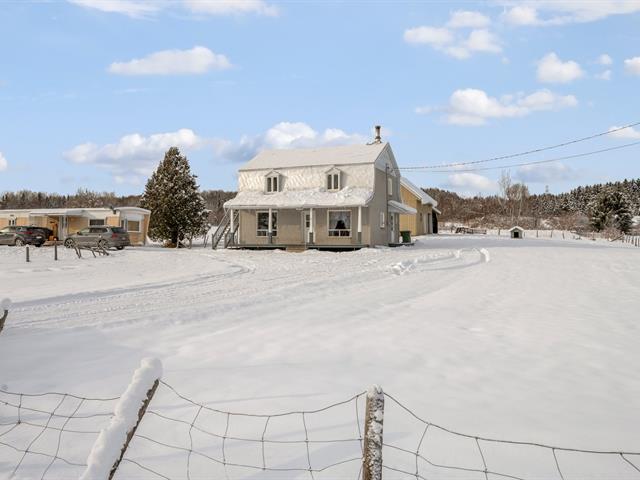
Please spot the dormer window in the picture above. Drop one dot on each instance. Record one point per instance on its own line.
(333, 180)
(273, 183)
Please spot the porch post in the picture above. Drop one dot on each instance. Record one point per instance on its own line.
(359, 225)
(270, 227)
(311, 219)
(232, 225)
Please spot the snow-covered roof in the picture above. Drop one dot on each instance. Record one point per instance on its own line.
(317, 197)
(516, 228)
(342, 155)
(58, 211)
(397, 207)
(437, 211)
(71, 211)
(424, 197)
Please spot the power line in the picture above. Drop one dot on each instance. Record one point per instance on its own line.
(549, 160)
(521, 154)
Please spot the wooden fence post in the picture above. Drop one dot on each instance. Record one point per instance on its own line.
(55, 251)
(27, 250)
(373, 420)
(104, 459)
(131, 433)
(5, 304)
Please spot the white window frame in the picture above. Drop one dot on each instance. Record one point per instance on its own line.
(103, 224)
(329, 229)
(390, 185)
(12, 222)
(134, 231)
(274, 231)
(334, 182)
(383, 223)
(269, 179)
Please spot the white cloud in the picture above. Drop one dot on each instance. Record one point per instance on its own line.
(231, 7)
(468, 19)
(606, 75)
(562, 12)
(454, 45)
(632, 65)
(3, 162)
(452, 39)
(553, 70)
(284, 135)
(132, 8)
(629, 133)
(471, 106)
(434, 36)
(545, 173)
(471, 183)
(604, 59)
(134, 155)
(483, 41)
(142, 8)
(197, 60)
(521, 15)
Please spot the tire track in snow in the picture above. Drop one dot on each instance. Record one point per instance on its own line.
(261, 277)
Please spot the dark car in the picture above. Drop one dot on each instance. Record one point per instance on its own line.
(18, 236)
(47, 233)
(105, 237)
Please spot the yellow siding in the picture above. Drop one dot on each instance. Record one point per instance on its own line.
(77, 223)
(410, 222)
(113, 221)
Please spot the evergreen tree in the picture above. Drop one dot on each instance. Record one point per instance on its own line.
(177, 208)
(611, 209)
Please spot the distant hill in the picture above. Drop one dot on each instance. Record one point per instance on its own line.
(564, 210)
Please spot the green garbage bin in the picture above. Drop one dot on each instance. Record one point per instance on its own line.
(406, 236)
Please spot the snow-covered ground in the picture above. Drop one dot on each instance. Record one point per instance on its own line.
(533, 339)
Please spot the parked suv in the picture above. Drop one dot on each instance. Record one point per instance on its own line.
(18, 236)
(105, 237)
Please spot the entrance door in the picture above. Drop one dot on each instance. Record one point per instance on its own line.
(392, 224)
(306, 225)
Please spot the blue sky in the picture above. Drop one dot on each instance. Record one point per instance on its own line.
(93, 91)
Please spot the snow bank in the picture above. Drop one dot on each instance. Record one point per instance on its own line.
(106, 450)
(5, 304)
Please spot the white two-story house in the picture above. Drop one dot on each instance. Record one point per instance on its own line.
(330, 198)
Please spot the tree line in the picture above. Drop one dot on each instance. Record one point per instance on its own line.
(599, 207)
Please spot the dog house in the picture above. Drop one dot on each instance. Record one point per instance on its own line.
(517, 232)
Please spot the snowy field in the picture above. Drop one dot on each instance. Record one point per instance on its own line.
(533, 340)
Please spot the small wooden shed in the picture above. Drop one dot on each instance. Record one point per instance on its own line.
(516, 232)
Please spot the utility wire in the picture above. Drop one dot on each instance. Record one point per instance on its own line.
(521, 154)
(549, 160)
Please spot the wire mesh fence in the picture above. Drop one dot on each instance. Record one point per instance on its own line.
(321, 443)
(48, 435)
(421, 449)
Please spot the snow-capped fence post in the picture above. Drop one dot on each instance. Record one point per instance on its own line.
(5, 305)
(373, 420)
(109, 449)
